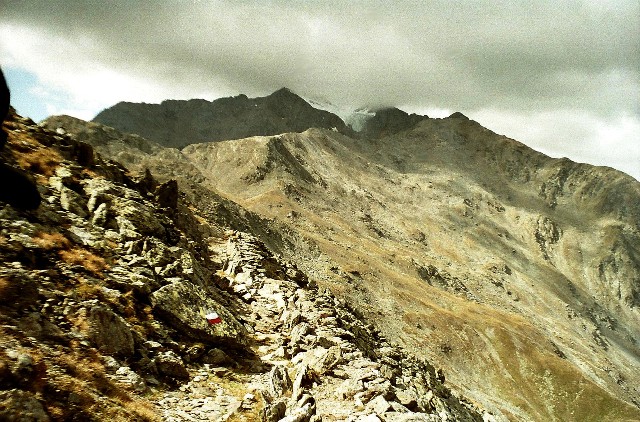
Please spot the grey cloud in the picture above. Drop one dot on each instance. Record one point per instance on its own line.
(460, 55)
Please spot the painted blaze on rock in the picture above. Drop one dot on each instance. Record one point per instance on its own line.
(183, 304)
(213, 318)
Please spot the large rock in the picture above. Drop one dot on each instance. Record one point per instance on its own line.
(110, 332)
(323, 360)
(279, 381)
(184, 305)
(273, 412)
(171, 365)
(167, 195)
(134, 217)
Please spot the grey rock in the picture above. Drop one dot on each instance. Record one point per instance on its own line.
(380, 386)
(406, 398)
(297, 388)
(184, 305)
(21, 406)
(126, 375)
(19, 365)
(349, 388)
(109, 331)
(137, 216)
(279, 381)
(158, 254)
(170, 364)
(327, 360)
(301, 414)
(411, 417)
(368, 418)
(299, 332)
(397, 407)
(273, 412)
(100, 215)
(71, 201)
(379, 405)
(218, 357)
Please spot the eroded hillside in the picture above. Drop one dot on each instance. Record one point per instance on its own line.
(517, 273)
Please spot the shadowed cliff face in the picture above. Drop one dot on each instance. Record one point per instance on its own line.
(517, 273)
(179, 123)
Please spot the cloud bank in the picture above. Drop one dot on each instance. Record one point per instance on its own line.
(561, 76)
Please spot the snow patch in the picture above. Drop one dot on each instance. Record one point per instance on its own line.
(354, 118)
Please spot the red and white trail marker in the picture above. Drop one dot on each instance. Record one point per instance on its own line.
(213, 318)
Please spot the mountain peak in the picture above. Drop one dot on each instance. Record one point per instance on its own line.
(390, 120)
(177, 123)
(458, 115)
(284, 91)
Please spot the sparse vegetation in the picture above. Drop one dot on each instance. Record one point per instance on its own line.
(53, 240)
(79, 256)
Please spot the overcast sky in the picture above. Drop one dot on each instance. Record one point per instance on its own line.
(560, 76)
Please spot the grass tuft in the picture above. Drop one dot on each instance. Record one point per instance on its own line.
(85, 258)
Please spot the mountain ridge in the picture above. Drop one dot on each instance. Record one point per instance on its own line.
(177, 123)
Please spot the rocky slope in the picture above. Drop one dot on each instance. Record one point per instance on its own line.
(450, 239)
(179, 123)
(517, 273)
(105, 288)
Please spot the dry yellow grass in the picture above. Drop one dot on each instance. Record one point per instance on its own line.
(85, 375)
(41, 161)
(80, 256)
(52, 240)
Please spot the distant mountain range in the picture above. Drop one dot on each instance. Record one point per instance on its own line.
(177, 124)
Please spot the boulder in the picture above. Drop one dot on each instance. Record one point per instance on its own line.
(100, 215)
(71, 201)
(379, 405)
(18, 367)
(279, 381)
(273, 412)
(167, 195)
(126, 375)
(299, 332)
(134, 215)
(170, 364)
(407, 398)
(300, 414)
(349, 388)
(323, 360)
(110, 332)
(218, 357)
(410, 417)
(184, 306)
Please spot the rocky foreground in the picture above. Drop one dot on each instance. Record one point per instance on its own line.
(105, 288)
